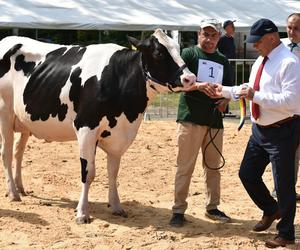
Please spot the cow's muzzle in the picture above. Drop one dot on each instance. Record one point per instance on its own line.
(188, 79)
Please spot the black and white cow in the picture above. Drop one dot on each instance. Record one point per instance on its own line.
(95, 94)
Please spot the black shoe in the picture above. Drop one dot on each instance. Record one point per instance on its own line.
(177, 220)
(216, 214)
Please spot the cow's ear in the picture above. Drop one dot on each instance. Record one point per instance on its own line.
(136, 43)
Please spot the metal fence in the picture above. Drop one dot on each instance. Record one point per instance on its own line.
(165, 105)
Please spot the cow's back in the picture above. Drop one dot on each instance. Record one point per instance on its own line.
(39, 79)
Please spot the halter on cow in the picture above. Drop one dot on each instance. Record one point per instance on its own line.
(96, 95)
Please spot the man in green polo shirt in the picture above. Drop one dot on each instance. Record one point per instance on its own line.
(200, 116)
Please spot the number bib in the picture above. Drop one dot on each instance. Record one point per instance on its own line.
(209, 71)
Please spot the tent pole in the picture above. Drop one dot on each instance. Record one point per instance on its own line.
(15, 31)
(99, 36)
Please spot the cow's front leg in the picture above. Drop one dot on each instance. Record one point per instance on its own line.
(19, 149)
(6, 154)
(113, 164)
(87, 144)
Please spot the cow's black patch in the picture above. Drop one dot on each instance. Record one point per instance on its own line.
(105, 133)
(5, 61)
(41, 94)
(84, 170)
(121, 89)
(74, 94)
(20, 64)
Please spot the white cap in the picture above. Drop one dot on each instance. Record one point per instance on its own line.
(211, 22)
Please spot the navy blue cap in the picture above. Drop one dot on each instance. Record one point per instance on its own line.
(228, 22)
(260, 28)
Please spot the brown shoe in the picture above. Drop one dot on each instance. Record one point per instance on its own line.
(278, 242)
(266, 222)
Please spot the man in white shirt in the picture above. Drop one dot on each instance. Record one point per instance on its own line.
(273, 91)
(292, 42)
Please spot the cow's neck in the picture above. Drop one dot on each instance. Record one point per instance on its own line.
(153, 88)
(152, 91)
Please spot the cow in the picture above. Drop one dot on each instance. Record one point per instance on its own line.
(96, 95)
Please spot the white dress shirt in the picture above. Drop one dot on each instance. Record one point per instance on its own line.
(287, 43)
(279, 94)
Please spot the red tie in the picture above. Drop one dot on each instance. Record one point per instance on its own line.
(255, 107)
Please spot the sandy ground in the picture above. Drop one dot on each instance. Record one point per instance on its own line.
(45, 219)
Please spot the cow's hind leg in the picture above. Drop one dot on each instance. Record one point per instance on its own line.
(7, 154)
(87, 144)
(113, 164)
(19, 149)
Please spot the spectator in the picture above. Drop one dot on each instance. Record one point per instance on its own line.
(226, 44)
(292, 42)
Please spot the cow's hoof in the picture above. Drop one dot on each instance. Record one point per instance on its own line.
(83, 220)
(22, 192)
(121, 213)
(14, 198)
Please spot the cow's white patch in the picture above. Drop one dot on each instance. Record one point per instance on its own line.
(118, 141)
(95, 53)
(171, 46)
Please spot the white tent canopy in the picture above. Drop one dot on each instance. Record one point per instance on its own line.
(182, 15)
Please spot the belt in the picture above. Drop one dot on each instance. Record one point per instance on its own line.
(279, 123)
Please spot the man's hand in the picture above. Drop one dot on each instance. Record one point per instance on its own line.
(205, 87)
(222, 104)
(210, 89)
(218, 89)
(233, 92)
(247, 93)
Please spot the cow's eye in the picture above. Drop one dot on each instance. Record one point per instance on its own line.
(158, 55)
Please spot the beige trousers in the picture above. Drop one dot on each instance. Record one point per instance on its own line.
(191, 138)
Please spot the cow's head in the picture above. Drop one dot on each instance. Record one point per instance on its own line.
(162, 63)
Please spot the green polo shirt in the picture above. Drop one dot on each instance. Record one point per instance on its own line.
(195, 106)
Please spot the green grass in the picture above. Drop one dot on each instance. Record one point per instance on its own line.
(171, 101)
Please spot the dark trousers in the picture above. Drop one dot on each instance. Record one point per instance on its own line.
(278, 146)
